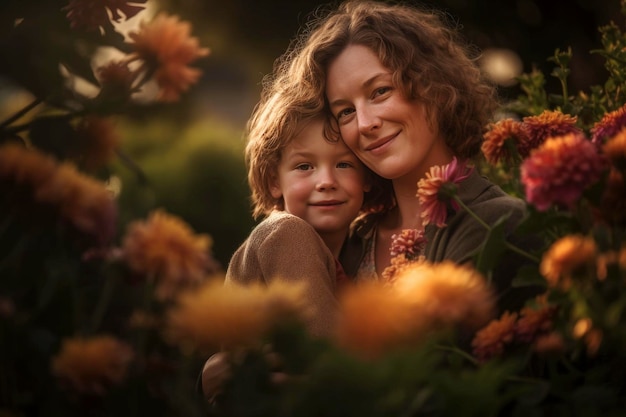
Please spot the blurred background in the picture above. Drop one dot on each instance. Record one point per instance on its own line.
(190, 155)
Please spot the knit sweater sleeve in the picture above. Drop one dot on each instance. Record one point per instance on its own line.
(285, 247)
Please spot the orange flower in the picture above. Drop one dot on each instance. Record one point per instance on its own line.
(533, 322)
(610, 125)
(559, 171)
(166, 250)
(93, 14)
(166, 44)
(495, 146)
(437, 189)
(373, 320)
(22, 167)
(99, 141)
(90, 365)
(547, 125)
(491, 341)
(447, 294)
(549, 344)
(565, 258)
(217, 315)
(615, 149)
(398, 263)
(82, 201)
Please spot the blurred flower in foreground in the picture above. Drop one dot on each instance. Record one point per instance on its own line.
(610, 125)
(228, 316)
(549, 124)
(437, 189)
(80, 200)
(98, 142)
(116, 82)
(615, 150)
(567, 257)
(503, 140)
(91, 365)
(373, 321)
(166, 47)
(424, 298)
(534, 321)
(93, 14)
(447, 294)
(165, 250)
(559, 171)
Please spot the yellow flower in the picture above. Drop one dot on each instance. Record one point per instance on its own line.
(165, 249)
(491, 341)
(374, 320)
(447, 294)
(90, 365)
(217, 315)
(81, 200)
(166, 46)
(565, 258)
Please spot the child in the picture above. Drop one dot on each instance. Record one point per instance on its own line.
(310, 189)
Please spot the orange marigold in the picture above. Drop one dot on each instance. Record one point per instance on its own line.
(534, 322)
(566, 257)
(491, 341)
(23, 167)
(217, 315)
(502, 141)
(165, 249)
(83, 201)
(550, 123)
(610, 125)
(447, 294)
(166, 46)
(90, 365)
(549, 344)
(373, 320)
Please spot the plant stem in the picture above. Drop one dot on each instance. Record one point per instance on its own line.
(509, 245)
(459, 352)
(21, 113)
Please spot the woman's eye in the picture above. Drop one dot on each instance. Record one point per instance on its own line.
(382, 90)
(303, 167)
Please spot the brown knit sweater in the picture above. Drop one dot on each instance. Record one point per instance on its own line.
(286, 247)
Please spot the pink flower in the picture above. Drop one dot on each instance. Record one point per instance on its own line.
(548, 124)
(559, 171)
(438, 188)
(609, 126)
(410, 242)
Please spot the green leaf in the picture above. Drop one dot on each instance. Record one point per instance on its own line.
(492, 247)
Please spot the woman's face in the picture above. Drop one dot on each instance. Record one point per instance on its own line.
(388, 132)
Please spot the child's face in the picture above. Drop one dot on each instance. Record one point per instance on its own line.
(319, 181)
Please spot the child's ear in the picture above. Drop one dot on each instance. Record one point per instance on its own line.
(275, 189)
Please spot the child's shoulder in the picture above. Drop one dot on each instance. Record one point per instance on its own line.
(281, 222)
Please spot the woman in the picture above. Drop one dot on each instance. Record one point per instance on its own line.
(405, 94)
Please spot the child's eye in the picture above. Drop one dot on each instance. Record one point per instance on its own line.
(304, 167)
(344, 165)
(343, 113)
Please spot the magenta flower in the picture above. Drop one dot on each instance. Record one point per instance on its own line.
(437, 189)
(610, 125)
(559, 171)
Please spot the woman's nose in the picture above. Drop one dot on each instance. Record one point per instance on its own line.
(367, 119)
